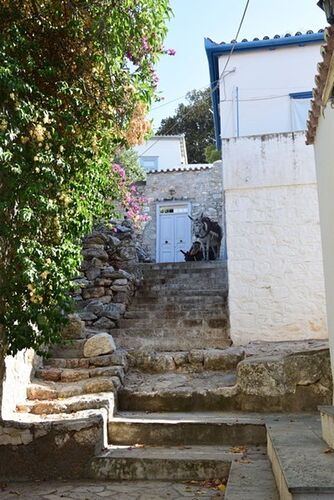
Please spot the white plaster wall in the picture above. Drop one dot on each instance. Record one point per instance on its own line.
(265, 78)
(325, 174)
(168, 149)
(19, 370)
(276, 287)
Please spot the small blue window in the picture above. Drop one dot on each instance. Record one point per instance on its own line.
(149, 162)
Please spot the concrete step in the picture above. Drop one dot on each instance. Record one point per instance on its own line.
(75, 374)
(201, 321)
(195, 360)
(159, 463)
(71, 404)
(251, 478)
(179, 392)
(171, 339)
(327, 424)
(43, 390)
(303, 464)
(177, 429)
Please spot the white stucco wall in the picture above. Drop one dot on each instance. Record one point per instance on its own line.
(168, 150)
(265, 78)
(276, 288)
(325, 173)
(19, 370)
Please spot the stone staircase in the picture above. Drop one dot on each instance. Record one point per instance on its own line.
(177, 401)
(178, 307)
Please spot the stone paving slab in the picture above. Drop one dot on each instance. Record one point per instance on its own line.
(125, 490)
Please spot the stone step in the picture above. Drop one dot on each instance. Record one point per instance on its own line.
(192, 300)
(177, 429)
(183, 266)
(71, 404)
(75, 374)
(42, 390)
(187, 293)
(159, 463)
(302, 462)
(118, 358)
(219, 275)
(251, 478)
(179, 392)
(148, 288)
(174, 313)
(186, 361)
(72, 349)
(169, 339)
(211, 322)
(175, 307)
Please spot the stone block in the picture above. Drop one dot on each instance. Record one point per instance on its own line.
(93, 293)
(113, 311)
(95, 251)
(75, 328)
(102, 343)
(104, 324)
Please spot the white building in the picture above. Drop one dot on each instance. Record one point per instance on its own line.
(163, 152)
(260, 103)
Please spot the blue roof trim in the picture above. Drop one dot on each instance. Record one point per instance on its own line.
(214, 50)
(301, 95)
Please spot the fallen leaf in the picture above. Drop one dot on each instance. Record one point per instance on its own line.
(238, 449)
(244, 461)
(221, 487)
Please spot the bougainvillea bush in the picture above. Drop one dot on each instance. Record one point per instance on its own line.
(76, 80)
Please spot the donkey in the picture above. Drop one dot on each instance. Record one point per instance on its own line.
(210, 234)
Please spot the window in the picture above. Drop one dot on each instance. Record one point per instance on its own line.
(149, 162)
(300, 105)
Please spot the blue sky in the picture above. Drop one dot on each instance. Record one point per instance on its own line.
(219, 20)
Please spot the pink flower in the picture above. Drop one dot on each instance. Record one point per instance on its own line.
(171, 52)
(119, 170)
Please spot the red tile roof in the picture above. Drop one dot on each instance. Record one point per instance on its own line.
(327, 53)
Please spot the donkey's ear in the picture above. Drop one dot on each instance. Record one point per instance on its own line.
(190, 217)
(202, 215)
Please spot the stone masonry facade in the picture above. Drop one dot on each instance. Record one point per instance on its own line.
(201, 186)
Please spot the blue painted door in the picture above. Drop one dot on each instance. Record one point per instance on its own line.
(175, 233)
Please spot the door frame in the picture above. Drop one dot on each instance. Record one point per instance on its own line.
(167, 204)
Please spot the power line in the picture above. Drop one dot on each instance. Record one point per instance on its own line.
(216, 83)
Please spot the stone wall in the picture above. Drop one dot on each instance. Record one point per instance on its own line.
(105, 287)
(202, 186)
(276, 285)
(109, 276)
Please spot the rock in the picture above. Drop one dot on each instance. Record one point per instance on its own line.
(119, 274)
(196, 356)
(104, 324)
(119, 288)
(75, 328)
(113, 311)
(120, 282)
(95, 306)
(87, 315)
(114, 241)
(180, 358)
(223, 359)
(96, 238)
(93, 293)
(93, 272)
(107, 272)
(96, 251)
(102, 343)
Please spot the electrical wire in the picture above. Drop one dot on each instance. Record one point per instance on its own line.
(212, 90)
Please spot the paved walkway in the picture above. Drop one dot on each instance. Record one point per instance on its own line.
(134, 490)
